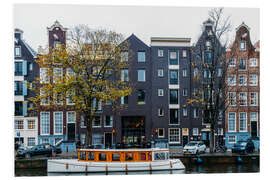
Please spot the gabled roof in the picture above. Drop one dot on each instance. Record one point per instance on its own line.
(32, 51)
(133, 37)
(243, 25)
(257, 45)
(56, 24)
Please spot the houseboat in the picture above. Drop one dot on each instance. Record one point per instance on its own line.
(116, 160)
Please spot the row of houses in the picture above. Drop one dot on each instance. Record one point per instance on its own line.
(163, 75)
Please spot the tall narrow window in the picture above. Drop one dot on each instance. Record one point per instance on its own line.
(108, 121)
(242, 80)
(174, 116)
(124, 75)
(173, 58)
(173, 96)
(45, 123)
(253, 99)
(141, 56)
(141, 96)
(253, 80)
(17, 51)
(160, 53)
(71, 116)
(124, 100)
(232, 98)
(160, 112)
(44, 78)
(231, 118)
(124, 56)
(18, 68)
(173, 77)
(184, 72)
(243, 46)
(58, 122)
(184, 53)
(243, 121)
(242, 98)
(141, 75)
(242, 64)
(160, 73)
(184, 112)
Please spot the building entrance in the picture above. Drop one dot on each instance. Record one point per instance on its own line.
(133, 129)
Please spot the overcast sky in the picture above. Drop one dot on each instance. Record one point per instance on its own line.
(143, 21)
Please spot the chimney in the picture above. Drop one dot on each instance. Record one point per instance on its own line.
(208, 25)
(18, 34)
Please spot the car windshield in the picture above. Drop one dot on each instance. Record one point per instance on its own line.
(192, 144)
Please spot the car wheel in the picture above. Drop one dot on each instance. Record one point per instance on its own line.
(28, 155)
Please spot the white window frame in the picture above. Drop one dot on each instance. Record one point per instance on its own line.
(111, 121)
(229, 129)
(124, 56)
(243, 95)
(253, 119)
(47, 123)
(28, 124)
(57, 74)
(184, 72)
(185, 91)
(160, 52)
(197, 131)
(231, 80)
(58, 122)
(255, 78)
(235, 139)
(160, 73)
(143, 73)
(232, 62)
(163, 133)
(44, 140)
(239, 64)
(43, 75)
(184, 53)
(185, 112)
(176, 134)
(233, 98)
(160, 112)
(141, 60)
(242, 48)
(244, 80)
(253, 62)
(160, 92)
(195, 113)
(33, 141)
(68, 116)
(245, 124)
(256, 98)
(99, 126)
(18, 123)
(19, 50)
(124, 75)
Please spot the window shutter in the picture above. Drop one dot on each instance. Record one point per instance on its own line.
(25, 88)
(24, 68)
(24, 108)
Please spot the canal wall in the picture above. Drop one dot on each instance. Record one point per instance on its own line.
(31, 164)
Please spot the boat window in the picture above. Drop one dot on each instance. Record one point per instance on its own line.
(102, 156)
(160, 156)
(150, 156)
(82, 155)
(167, 155)
(91, 155)
(129, 157)
(115, 157)
(142, 156)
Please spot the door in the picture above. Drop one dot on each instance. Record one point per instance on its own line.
(71, 132)
(254, 128)
(108, 140)
(185, 140)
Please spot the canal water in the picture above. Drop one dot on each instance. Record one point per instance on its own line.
(190, 169)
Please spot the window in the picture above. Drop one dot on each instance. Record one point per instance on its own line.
(124, 75)
(124, 100)
(173, 59)
(253, 99)
(184, 53)
(242, 80)
(83, 123)
(253, 80)
(220, 131)
(98, 104)
(174, 116)
(96, 138)
(96, 122)
(196, 92)
(44, 78)
(173, 96)
(18, 68)
(208, 43)
(45, 98)
(31, 124)
(124, 56)
(160, 73)
(141, 96)
(232, 139)
(17, 51)
(243, 121)
(232, 98)
(160, 92)
(160, 53)
(231, 80)
(219, 72)
(208, 58)
(30, 66)
(108, 121)
(57, 74)
(82, 138)
(173, 77)
(184, 72)
(253, 116)
(232, 62)
(18, 89)
(174, 135)
(160, 112)
(195, 113)
(18, 124)
(31, 141)
(58, 98)
(44, 140)
(195, 131)
(242, 65)
(45, 123)
(18, 108)
(161, 132)
(206, 74)
(141, 75)
(231, 124)
(253, 62)
(69, 100)
(242, 98)
(195, 72)
(115, 157)
(184, 111)
(129, 156)
(243, 46)
(58, 122)
(141, 56)
(185, 92)
(71, 116)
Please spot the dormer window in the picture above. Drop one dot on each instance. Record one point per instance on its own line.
(243, 46)
(17, 51)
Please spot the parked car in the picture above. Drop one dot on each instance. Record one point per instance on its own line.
(194, 147)
(243, 147)
(41, 149)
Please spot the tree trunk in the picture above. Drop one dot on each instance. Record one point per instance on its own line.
(212, 139)
(88, 132)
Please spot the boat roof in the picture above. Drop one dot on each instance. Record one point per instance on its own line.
(127, 150)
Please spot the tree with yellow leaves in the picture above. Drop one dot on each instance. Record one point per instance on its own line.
(82, 75)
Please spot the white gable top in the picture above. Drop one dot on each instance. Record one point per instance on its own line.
(170, 41)
(56, 24)
(244, 25)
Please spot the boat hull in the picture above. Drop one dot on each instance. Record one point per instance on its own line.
(75, 166)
